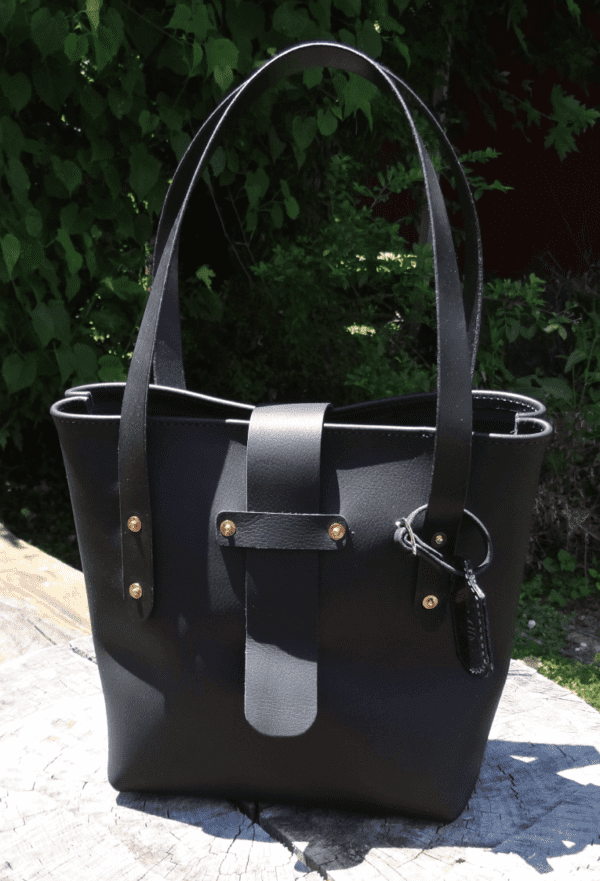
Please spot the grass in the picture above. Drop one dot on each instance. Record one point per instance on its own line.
(35, 506)
(540, 647)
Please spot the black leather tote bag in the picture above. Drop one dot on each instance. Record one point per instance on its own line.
(303, 603)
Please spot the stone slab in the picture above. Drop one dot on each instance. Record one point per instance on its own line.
(59, 817)
(535, 809)
(43, 601)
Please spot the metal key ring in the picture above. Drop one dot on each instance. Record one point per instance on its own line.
(405, 536)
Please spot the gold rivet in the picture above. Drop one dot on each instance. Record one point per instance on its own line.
(439, 539)
(336, 531)
(135, 590)
(227, 528)
(134, 524)
(430, 602)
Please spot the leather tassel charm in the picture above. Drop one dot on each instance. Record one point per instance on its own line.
(471, 625)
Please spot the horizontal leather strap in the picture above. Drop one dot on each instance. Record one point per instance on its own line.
(294, 532)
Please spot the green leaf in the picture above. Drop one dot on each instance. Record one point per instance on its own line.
(66, 361)
(358, 94)
(92, 8)
(312, 78)
(68, 173)
(108, 38)
(304, 130)
(92, 102)
(11, 251)
(18, 178)
(12, 137)
(206, 275)
(145, 170)
(285, 188)
(53, 81)
(568, 563)
(86, 362)
(74, 260)
(34, 222)
(197, 56)
(350, 8)
(60, 320)
(70, 46)
(402, 49)
(300, 156)
(17, 89)
(292, 207)
(180, 18)
(72, 286)
(48, 32)
(557, 387)
(574, 358)
(43, 324)
(574, 9)
(368, 39)
(290, 21)
(256, 186)
(111, 369)
(572, 118)
(513, 326)
(180, 142)
(223, 76)
(148, 122)
(7, 10)
(119, 102)
(326, 121)
(200, 23)
(218, 161)
(221, 53)
(19, 373)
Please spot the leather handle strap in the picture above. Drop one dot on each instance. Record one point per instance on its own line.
(452, 453)
(283, 474)
(168, 367)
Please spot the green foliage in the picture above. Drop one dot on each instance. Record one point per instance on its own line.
(561, 580)
(547, 634)
(98, 101)
(577, 677)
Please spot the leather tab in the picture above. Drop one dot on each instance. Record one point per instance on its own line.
(471, 626)
(284, 532)
(282, 586)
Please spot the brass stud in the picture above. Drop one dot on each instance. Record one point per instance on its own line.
(135, 590)
(227, 528)
(336, 531)
(439, 539)
(134, 524)
(430, 602)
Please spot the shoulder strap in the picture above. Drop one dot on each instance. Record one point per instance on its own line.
(452, 452)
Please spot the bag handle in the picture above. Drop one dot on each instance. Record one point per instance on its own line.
(453, 438)
(168, 368)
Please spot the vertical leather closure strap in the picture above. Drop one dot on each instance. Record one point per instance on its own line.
(282, 587)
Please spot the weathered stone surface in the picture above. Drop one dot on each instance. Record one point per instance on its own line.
(535, 809)
(60, 818)
(43, 601)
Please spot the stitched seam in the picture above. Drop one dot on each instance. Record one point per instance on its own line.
(482, 438)
(522, 404)
(484, 658)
